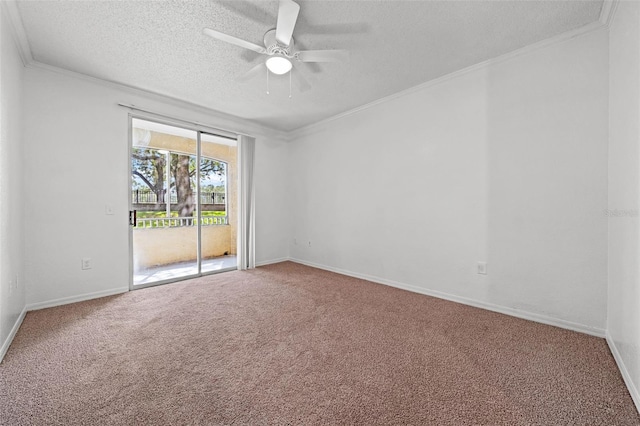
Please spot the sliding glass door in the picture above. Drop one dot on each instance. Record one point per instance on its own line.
(219, 189)
(182, 213)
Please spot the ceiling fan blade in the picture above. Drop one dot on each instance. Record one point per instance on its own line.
(298, 78)
(250, 55)
(257, 70)
(287, 17)
(333, 29)
(311, 66)
(322, 55)
(251, 10)
(234, 40)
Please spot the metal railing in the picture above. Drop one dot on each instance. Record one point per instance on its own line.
(147, 196)
(174, 222)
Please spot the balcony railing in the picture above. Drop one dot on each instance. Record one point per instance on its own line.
(146, 196)
(174, 222)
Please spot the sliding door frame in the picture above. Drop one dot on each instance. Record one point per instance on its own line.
(199, 129)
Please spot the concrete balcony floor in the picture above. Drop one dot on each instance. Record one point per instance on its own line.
(182, 269)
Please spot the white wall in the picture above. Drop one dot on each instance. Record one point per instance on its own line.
(506, 164)
(76, 146)
(12, 285)
(623, 325)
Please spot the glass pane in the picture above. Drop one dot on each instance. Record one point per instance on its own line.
(218, 202)
(163, 161)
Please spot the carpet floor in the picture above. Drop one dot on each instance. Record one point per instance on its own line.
(288, 344)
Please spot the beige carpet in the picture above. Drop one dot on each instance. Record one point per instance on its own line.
(289, 344)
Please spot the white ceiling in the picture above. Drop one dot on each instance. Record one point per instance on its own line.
(159, 46)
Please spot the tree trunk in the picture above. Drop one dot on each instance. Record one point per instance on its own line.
(186, 204)
(159, 164)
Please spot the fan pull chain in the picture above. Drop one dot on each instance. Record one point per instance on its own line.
(290, 71)
(267, 80)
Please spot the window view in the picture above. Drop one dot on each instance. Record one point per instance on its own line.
(169, 209)
(156, 208)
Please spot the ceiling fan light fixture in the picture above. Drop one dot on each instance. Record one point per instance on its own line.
(279, 65)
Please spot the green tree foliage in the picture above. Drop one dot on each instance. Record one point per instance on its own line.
(149, 171)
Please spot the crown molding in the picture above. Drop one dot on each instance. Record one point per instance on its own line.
(607, 12)
(10, 7)
(605, 16)
(221, 120)
(230, 122)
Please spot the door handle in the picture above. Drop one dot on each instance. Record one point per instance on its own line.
(133, 217)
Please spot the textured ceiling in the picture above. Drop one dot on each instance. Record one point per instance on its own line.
(159, 46)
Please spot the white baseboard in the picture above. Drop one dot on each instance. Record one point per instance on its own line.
(74, 299)
(557, 322)
(12, 334)
(272, 261)
(633, 390)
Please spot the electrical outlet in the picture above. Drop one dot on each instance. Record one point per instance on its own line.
(108, 209)
(482, 268)
(13, 284)
(87, 263)
(309, 243)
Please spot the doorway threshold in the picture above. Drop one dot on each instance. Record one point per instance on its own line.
(178, 270)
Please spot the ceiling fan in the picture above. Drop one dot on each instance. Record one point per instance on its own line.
(279, 46)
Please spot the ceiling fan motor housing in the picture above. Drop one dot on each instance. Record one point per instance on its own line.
(275, 48)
